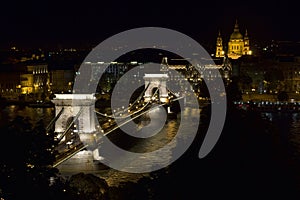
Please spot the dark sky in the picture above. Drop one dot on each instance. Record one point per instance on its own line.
(73, 23)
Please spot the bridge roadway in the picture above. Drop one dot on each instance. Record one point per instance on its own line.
(67, 149)
(115, 177)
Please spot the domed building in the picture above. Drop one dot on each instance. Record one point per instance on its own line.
(238, 44)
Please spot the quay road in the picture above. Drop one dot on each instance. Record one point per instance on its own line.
(269, 106)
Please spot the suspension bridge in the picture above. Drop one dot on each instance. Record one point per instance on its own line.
(76, 121)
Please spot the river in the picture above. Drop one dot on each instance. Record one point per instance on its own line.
(10, 112)
(115, 177)
(288, 125)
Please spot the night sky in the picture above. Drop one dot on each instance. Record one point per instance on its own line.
(74, 23)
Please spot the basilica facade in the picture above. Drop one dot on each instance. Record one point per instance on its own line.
(237, 46)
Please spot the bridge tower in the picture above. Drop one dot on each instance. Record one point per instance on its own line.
(77, 107)
(75, 125)
(154, 82)
(157, 81)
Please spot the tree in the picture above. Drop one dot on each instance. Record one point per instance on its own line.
(203, 89)
(273, 77)
(88, 186)
(233, 91)
(245, 81)
(282, 96)
(273, 74)
(26, 160)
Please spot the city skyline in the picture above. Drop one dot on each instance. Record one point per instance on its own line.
(47, 24)
(149, 114)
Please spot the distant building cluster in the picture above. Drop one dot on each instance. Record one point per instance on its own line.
(34, 75)
(36, 82)
(272, 68)
(267, 69)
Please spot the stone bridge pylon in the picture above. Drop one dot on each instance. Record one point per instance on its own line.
(75, 126)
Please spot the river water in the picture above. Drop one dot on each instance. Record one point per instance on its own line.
(114, 177)
(287, 123)
(10, 112)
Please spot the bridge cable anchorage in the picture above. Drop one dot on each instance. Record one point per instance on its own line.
(71, 124)
(54, 119)
(58, 162)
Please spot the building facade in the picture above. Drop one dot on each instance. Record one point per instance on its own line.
(238, 44)
(35, 82)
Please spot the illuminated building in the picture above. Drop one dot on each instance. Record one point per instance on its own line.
(35, 81)
(238, 44)
(9, 85)
(26, 83)
(61, 81)
(219, 49)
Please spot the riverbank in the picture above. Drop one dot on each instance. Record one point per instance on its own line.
(269, 97)
(36, 104)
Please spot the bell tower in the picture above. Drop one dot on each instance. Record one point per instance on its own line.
(247, 50)
(219, 47)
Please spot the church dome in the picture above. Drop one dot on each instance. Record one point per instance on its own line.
(236, 33)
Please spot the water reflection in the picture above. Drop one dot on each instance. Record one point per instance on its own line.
(169, 131)
(288, 125)
(295, 134)
(9, 113)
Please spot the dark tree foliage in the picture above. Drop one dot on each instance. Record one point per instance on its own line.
(203, 89)
(273, 75)
(26, 172)
(282, 96)
(87, 186)
(26, 159)
(233, 91)
(245, 80)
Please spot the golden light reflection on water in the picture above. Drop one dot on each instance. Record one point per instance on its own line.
(32, 114)
(114, 177)
(172, 126)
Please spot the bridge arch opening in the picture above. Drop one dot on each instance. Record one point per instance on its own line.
(156, 82)
(72, 134)
(155, 93)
